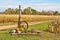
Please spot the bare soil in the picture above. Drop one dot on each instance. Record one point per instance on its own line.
(15, 25)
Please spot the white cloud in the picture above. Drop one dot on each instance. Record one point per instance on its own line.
(46, 7)
(39, 7)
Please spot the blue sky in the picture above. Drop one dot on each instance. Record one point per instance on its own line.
(36, 4)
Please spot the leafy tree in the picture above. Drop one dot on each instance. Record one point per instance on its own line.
(43, 13)
(27, 10)
(56, 13)
(9, 11)
(34, 11)
(16, 11)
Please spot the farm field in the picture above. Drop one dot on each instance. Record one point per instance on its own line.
(28, 18)
(6, 20)
(6, 24)
(5, 35)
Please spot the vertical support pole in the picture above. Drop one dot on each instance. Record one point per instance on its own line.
(19, 19)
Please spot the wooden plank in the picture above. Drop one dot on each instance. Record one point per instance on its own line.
(25, 33)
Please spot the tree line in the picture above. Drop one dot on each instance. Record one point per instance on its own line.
(30, 11)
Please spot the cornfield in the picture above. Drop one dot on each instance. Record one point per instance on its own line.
(55, 26)
(28, 18)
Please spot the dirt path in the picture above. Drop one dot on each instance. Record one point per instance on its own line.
(13, 26)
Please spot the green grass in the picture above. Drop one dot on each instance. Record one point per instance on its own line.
(4, 35)
(40, 27)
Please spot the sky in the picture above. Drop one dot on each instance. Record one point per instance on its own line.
(39, 5)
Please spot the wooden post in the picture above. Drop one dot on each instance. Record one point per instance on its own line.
(19, 19)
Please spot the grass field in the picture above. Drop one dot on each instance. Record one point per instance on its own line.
(4, 35)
